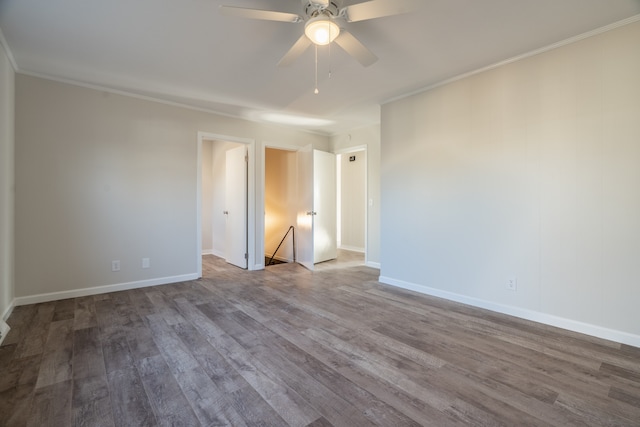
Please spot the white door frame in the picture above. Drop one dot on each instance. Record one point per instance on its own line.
(366, 193)
(251, 196)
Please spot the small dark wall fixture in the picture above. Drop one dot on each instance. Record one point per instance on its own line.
(352, 158)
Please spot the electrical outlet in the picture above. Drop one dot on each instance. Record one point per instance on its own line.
(512, 284)
(115, 265)
(146, 263)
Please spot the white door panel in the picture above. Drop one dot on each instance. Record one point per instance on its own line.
(236, 207)
(304, 232)
(324, 205)
(316, 231)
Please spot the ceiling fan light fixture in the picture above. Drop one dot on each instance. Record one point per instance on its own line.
(321, 30)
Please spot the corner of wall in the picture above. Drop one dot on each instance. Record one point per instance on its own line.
(8, 69)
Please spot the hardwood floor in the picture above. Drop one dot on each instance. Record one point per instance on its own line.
(286, 346)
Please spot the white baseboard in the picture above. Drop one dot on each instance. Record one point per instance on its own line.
(74, 293)
(219, 254)
(536, 316)
(372, 264)
(212, 252)
(4, 330)
(351, 248)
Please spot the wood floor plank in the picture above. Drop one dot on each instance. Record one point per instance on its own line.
(141, 302)
(140, 339)
(91, 402)
(51, 405)
(207, 402)
(64, 309)
(166, 397)
(320, 422)
(627, 396)
(129, 400)
(413, 406)
(267, 384)
(84, 313)
(254, 410)
(283, 356)
(628, 374)
(20, 371)
(117, 355)
(439, 398)
(326, 401)
(88, 359)
(56, 362)
(36, 335)
(225, 377)
(595, 413)
(163, 306)
(15, 404)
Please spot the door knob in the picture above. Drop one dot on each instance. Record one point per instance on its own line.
(225, 212)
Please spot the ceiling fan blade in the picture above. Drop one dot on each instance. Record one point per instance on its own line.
(353, 47)
(296, 50)
(377, 9)
(267, 15)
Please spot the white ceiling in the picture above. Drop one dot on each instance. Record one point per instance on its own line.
(185, 51)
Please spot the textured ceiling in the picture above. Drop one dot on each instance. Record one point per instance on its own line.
(185, 51)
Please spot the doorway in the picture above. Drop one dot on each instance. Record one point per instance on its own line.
(214, 185)
(280, 195)
(299, 203)
(351, 167)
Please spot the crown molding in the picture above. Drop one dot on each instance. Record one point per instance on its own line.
(159, 100)
(565, 42)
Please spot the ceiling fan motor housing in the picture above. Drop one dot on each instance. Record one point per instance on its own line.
(330, 9)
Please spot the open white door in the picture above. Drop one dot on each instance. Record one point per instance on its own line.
(316, 233)
(304, 231)
(325, 245)
(236, 207)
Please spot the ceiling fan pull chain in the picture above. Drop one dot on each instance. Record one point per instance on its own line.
(330, 55)
(316, 91)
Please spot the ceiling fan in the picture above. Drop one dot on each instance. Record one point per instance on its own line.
(325, 22)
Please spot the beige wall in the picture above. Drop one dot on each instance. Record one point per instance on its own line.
(7, 86)
(102, 177)
(352, 200)
(368, 136)
(530, 170)
(280, 199)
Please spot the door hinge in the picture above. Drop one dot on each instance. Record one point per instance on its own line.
(246, 256)
(246, 158)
